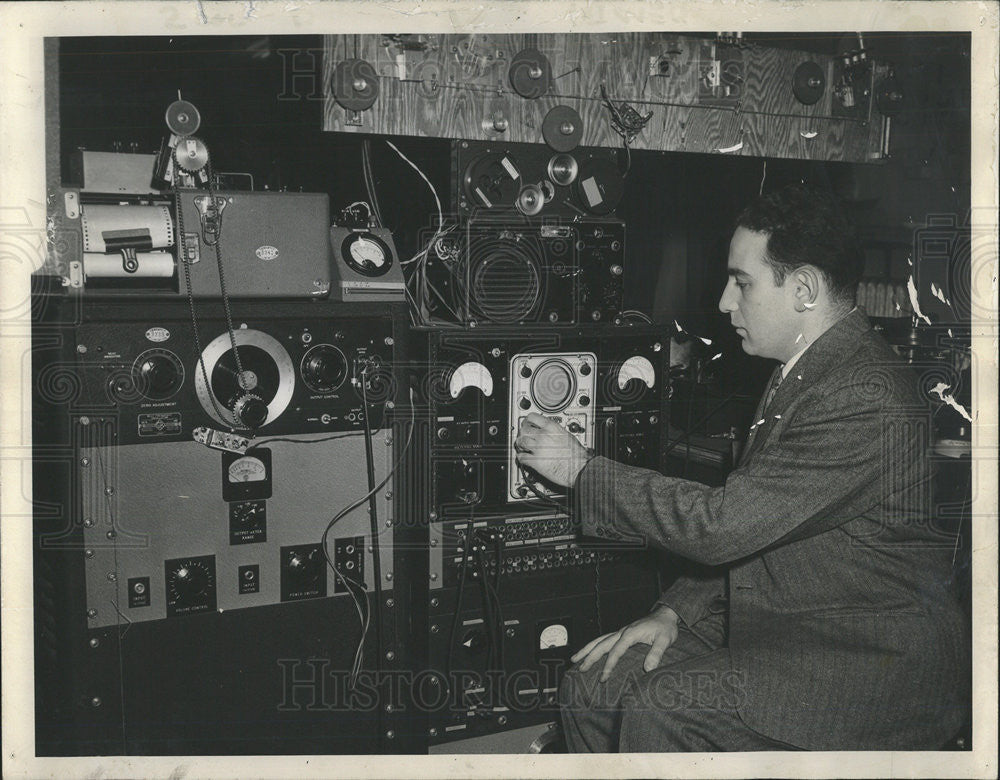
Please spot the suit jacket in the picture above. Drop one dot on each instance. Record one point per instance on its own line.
(842, 623)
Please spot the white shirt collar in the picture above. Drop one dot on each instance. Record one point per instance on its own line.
(795, 358)
(792, 361)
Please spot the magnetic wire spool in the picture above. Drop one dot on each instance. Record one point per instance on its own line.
(563, 169)
(183, 118)
(530, 73)
(492, 180)
(562, 129)
(354, 84)
(530, 200)
(553, 385)
(505, 282)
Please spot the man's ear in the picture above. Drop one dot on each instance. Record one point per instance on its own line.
(806, 281)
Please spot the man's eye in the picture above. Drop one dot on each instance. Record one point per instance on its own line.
(742, 285)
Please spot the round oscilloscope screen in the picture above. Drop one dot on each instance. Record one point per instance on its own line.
(553, 385)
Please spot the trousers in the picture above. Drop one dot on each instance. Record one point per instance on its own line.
(687, 704)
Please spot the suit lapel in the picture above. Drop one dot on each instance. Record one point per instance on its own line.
(828, 351)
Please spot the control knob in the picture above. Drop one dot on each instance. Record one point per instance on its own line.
(250, 411)
(158, 373)
(324, 368)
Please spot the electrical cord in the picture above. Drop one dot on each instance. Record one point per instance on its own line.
(456, 617)
(347, 510)
(373, 518)
(538, 493)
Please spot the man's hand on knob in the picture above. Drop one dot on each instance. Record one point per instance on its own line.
(550, 450)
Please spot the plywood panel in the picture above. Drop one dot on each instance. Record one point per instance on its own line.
(454, 86)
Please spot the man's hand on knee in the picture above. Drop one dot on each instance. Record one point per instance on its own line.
(658, 629)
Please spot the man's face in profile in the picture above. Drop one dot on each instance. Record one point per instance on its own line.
(762, 312)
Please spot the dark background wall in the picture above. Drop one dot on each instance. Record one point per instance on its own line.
(261, 103)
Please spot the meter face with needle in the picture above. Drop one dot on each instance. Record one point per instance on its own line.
(247, 469)
(367, 254)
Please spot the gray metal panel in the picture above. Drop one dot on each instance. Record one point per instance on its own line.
(166, 502)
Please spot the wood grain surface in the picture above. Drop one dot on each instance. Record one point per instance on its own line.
(457, 86)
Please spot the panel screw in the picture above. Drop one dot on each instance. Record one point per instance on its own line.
(94, 642)
(388, 575)
(88, 553)
(390, 656)
(388, 522)
(84, 420)
(433, 516)
(390, 603)
(111, 534)
(434, 577)
(388, 495)
(510, 632)
(388, 440)
(389, 341)
(96, 701)
(112, 577)
(434, 542)
(435, 628)
(388, 708)
(85, 462)
(435, 601)
(390, 405)
(109, 491)
(81, 348)
(88, 523)
(433, 732)
(390, 734)
(91, 613)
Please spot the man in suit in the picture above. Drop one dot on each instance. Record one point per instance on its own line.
(819, 614)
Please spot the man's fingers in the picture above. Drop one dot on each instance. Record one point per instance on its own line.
(656, 651)
(594, 650)
(623, 644)
(536, 420)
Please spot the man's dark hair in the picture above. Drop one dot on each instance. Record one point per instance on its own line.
(807, 226)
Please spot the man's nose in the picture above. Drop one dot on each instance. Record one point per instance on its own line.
(727, 303)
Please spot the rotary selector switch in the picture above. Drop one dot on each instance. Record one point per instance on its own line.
(324, 368)
(158, 374)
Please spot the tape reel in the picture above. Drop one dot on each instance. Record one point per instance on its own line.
(183, 118)
(492, 180)
(355, 84)
(530, 73)
(562, 129)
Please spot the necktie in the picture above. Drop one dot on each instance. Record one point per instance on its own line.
(773, 388)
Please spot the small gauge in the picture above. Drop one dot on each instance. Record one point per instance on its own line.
(367, 254)
(247, 469)
(553, 636)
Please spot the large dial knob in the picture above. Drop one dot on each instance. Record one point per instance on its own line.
(158, 373)
(324, 368)
(190, 582)
(250, 411)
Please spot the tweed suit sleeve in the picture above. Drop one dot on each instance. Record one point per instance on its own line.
(817, 470)
(691, 597)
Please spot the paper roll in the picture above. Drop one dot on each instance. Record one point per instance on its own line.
(104, 222)
(152, 265)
